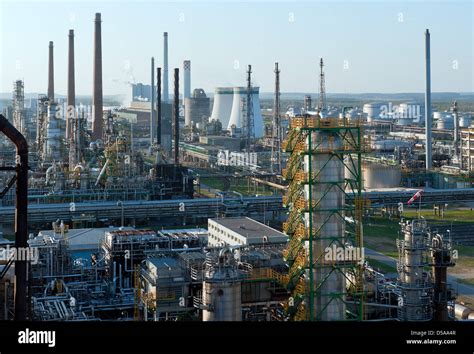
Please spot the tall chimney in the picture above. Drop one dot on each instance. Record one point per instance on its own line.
(176, 115)
(428, 117)
(187, 79)
(51, 73)
(71, 90)
(97, 89)
(158, 105)
(166, 97)
(152, 106)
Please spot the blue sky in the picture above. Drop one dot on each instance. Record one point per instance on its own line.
(368, 46)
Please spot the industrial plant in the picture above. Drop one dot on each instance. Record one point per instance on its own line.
(232, 204)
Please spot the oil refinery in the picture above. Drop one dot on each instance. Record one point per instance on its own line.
(232, 204)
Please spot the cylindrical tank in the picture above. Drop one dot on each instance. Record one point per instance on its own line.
(462, 312)
(222, 290)
(465, 121)
(437, 116)
(52, 148)
(328, 196)
(381, 176)
(446, 122)
(372, 110)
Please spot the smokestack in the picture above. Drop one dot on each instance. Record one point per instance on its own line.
(158, 105)
(152, 110)
(166, 98)
(51, 73)
(97, 89)
(187, 79)
(176, 115)
(428, 117)
(71, 90)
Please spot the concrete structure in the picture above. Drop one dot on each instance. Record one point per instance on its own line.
(51, 72)
(238, 113)
(428, 118)
(242, 231)
(152, 105)
(222, 105)
(97, 99)
(166, 96)
(141, 92)
(196, 108)
(71, 87)
(186, 79)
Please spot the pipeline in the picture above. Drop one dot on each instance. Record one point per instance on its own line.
(21, 214)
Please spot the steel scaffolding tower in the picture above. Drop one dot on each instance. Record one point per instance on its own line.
(276, 133)
(324, 167)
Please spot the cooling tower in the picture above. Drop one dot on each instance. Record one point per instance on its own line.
(222, 106)
(238, 113)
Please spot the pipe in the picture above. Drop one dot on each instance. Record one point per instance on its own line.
(102, 172)
(158, 105)
(97, 104)
(428, 117)
(152, 108)
(21, 214)
(51, 72)
(176, 115)
(71, 90)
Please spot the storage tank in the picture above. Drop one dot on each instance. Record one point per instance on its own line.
(222, 106)
(222, 289)
(372, 110)
(465, 121)
(377, 176)
(52, 147)
(238, 113)
(446, 122)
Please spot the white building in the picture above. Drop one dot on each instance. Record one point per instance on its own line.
(242, 231)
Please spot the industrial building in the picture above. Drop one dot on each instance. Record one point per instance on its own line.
(242, 231)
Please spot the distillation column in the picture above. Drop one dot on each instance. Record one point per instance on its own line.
(328, 200)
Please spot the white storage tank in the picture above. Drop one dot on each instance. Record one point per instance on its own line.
(446, 122)
(377, 176)
(372, 110)
(465, 121)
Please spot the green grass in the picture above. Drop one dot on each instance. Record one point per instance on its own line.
(380, 234)
(458, 215)
(236, 185)
(380, 266)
